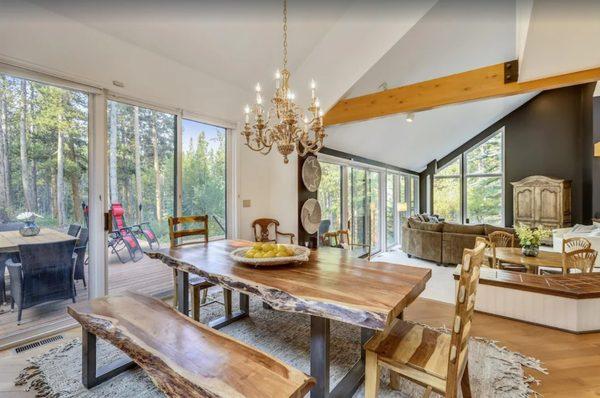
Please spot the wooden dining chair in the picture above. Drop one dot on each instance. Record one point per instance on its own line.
(330, 239)
(198, 284)
(434, 359)
(343, 237)
(581, 259)
(488, 245)
(504, 239)
(576, 243)
(261, 226)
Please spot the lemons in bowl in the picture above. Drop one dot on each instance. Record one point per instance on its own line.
(269, 250)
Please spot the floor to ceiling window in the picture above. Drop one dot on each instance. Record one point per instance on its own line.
(473, 193)
(484, 181)
(447, 189)
(203, 174)
(330, 196)
(353, 196)
(43, 170)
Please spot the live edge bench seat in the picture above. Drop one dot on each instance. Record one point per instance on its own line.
(184, 358)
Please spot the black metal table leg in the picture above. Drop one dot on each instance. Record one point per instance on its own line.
(319, 356)
(90, 376)
(319, 362)
(183, 292)
(236, 316)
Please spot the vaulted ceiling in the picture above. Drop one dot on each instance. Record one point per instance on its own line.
(205, 56)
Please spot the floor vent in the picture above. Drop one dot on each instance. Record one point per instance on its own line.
(38, 343)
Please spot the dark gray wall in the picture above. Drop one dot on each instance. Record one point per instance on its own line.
(549, 135)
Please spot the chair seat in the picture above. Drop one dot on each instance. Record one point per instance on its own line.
(407, 343)
(199, 282)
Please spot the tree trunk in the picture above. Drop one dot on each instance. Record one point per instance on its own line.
(53, 194)
(60, 179)
(138, 166)
(23, 150)
(77, 209)
(3, 120)
(4, 177)
(156, 168)
(112, 162)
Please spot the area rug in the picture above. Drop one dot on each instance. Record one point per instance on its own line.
(495, 371)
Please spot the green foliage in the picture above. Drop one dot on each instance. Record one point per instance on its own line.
(329, 194)
(531, 236)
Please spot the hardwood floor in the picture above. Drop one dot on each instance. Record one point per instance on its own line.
(572, 360)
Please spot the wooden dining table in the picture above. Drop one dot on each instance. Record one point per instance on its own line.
(513, 255)
(10, 240)
(332, 285)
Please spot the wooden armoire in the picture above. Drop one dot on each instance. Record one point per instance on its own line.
(540, 200)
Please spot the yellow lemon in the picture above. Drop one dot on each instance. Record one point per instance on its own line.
(257, 245)
(249, 255)
(282, 254)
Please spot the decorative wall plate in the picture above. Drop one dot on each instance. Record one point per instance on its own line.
(310, 215)
(311, 173)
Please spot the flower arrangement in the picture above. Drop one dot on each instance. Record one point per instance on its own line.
(28, 216)
(531, 238)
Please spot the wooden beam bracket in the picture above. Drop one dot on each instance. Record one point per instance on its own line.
(511, 71)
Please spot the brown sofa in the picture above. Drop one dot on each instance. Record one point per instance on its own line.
(442, 242)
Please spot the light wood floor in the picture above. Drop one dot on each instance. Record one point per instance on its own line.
(147, 276)
(572, 360)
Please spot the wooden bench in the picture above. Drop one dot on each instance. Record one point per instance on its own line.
(184, 358)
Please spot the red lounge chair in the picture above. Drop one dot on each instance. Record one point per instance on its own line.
(123, 238)
(139, 230)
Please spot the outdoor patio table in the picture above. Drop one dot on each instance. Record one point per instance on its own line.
(332, 285)
(10, 240)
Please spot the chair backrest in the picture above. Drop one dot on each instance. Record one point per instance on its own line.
(74, 230)
(176, 232)
(582, 259)
(572, 244)
(502, 239)
(463, 314)
(11, 226)
(118, 215)
(83, 238)
(260, 226)
(488, 245)
(40, 256)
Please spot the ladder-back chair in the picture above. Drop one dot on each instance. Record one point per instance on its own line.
(198, 284)
(582, 260)
(504, 239)
(405, 348)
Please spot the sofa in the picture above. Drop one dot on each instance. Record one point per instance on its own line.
(442, 242)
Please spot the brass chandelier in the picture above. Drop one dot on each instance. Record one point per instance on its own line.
(283, 125)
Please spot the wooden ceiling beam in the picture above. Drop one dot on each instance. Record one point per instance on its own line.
(482, 83)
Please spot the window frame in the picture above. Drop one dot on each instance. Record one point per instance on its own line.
(461, 184)
(464, 175)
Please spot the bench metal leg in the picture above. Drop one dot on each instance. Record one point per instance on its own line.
(91, 377)
(319, 362)
(236, 316)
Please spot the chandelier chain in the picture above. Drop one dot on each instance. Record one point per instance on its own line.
(285, 57)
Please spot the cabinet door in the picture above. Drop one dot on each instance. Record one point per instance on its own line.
(524, 204)
(548, 205)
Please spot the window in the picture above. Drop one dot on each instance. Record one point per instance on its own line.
(447, 191)
(473, 195)
(43, 169)
(330, 195)
(484, 191)
(358, 205)
(374, 219)
(391, 215)
(414, 195)
(203, 181)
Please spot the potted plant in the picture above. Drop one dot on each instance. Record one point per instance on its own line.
(30, 228)
(530, 238)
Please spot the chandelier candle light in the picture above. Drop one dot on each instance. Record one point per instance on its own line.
(283, 125)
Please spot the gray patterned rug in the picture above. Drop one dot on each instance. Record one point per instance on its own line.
(495, 371)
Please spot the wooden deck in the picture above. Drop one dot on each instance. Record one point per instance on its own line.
(146, 276)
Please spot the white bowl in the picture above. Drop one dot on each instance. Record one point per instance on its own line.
(301, 256)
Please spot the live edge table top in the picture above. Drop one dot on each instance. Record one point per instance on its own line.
(332, 284)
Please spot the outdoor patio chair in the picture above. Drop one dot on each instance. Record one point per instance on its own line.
(73, 230)
(121, 241)
(79, 256)
(10, 226)
(139, 230)
(44, 274)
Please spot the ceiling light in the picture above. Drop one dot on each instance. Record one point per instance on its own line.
(410, 117)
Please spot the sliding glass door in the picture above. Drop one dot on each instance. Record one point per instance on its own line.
(141, 186)
(358, 206)
(203, 179)
(43, 171)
